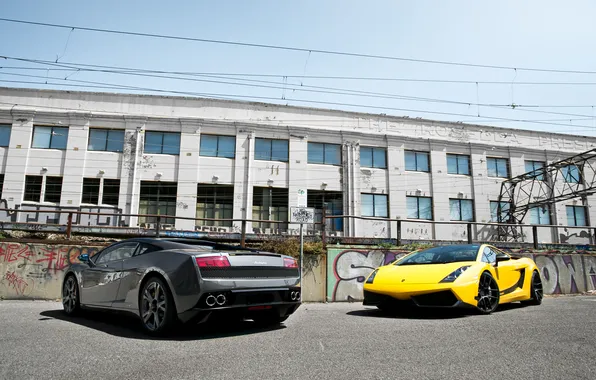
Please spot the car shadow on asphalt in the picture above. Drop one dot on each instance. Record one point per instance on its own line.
(126, 326)
(428, 313)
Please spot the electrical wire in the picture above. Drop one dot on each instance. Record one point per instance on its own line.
(290, 48)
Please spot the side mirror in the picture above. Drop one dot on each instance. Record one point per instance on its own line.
(498, 259)
(84, 258)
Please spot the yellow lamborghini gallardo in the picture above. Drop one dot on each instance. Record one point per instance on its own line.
(479, 276)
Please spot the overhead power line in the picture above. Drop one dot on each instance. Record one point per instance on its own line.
(290, 48)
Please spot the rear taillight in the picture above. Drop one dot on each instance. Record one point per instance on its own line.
(212, 261)
(290, 263)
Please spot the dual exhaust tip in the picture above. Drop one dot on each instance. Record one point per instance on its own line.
(212, 300)
(294, 295)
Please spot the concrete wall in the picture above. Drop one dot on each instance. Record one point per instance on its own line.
(193, 118)
(562, 272)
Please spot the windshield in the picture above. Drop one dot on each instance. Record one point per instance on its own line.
(442, 255)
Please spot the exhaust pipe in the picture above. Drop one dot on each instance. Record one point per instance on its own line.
(221, 299)
(210, 301)
(295, 295)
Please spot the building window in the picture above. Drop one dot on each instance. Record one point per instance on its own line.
(49, 137)
(157, 198)
(375, 205)
(162, 142)
(417, 161)
(5, 131)
(101, 191)
(539, 215)
(331, 202)
(571, 174)
(576, 216)
(270, 203)
(373, 157)
(458, 164)
(218, 146)
(107, 140)
(499, 211)
(321, 153)
(536, 168)
(497, 167)
(419, 208)
(1, 184)
(215, 202)
(461, 209)
(39, 187)
(271, 150)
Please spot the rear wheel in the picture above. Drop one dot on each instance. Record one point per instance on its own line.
(536, 292)
(488, 294)
(156, 306)
(70, 295)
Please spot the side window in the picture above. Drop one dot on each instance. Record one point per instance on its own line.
(145, 248)
(119, 252)
(489, 256)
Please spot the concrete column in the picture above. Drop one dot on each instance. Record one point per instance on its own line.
(74, 160)
(396, 184)
(243, 181)
(130, 184)
(297, 171)
(17, 159)
(188, 174)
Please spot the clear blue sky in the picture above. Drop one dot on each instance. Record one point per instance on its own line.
(535, 34)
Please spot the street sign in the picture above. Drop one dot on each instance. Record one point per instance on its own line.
(301, 201)
(302, 215)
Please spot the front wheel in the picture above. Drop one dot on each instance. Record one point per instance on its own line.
(488, 294)
(156, 307)
(536, 292)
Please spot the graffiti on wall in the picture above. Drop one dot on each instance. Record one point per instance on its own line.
(35, 270)
(562, 273)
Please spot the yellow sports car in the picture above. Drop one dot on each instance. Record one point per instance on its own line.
(472, 275)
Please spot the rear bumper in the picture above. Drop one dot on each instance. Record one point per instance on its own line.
(245, 302)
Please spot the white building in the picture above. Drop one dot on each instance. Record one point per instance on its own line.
(245, 160)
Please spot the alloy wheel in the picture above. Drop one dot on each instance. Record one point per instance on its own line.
(69, 295)
(537, 286)
(154, 306)
(488, 294)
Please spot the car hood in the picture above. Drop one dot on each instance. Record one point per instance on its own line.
(417, 274)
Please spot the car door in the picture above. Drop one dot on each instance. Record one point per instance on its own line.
(101, 280)
(507, 271)
(132, 269)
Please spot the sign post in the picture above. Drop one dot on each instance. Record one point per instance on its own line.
(302, 215)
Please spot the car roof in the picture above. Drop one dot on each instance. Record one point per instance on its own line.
(182, 243)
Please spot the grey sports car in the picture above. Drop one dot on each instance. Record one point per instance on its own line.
(166, 281)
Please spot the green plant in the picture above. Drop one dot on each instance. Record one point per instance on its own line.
(291, 247)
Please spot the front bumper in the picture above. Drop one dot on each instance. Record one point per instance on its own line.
(439, 295)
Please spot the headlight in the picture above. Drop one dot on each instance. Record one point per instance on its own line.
(371, 278)
(455, 274)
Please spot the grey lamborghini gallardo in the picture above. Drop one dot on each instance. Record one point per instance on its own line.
(170, 281)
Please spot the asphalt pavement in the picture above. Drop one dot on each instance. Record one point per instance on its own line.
(321, 341)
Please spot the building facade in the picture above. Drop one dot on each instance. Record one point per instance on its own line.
(204, 158)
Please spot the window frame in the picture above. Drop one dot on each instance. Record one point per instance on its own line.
(565, 176)
(432, 215)
(540, 176)
(498, 215)
(9, 127)
(496, 160)
(374, 204)
(217, 154)
(101, 191)
(416, 154)
(374, 149)
(459, 201)
(107, 140)
(574, 208)
(161, 149)
(270, 141)
(52, 127)
(324, 145)
(211, 203)
(531, 210)
(457, 157)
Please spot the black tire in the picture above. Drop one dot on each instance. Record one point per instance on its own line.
(536, 291)
(268, 318)
(488, 294)
(71, 301)
(156, 307)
